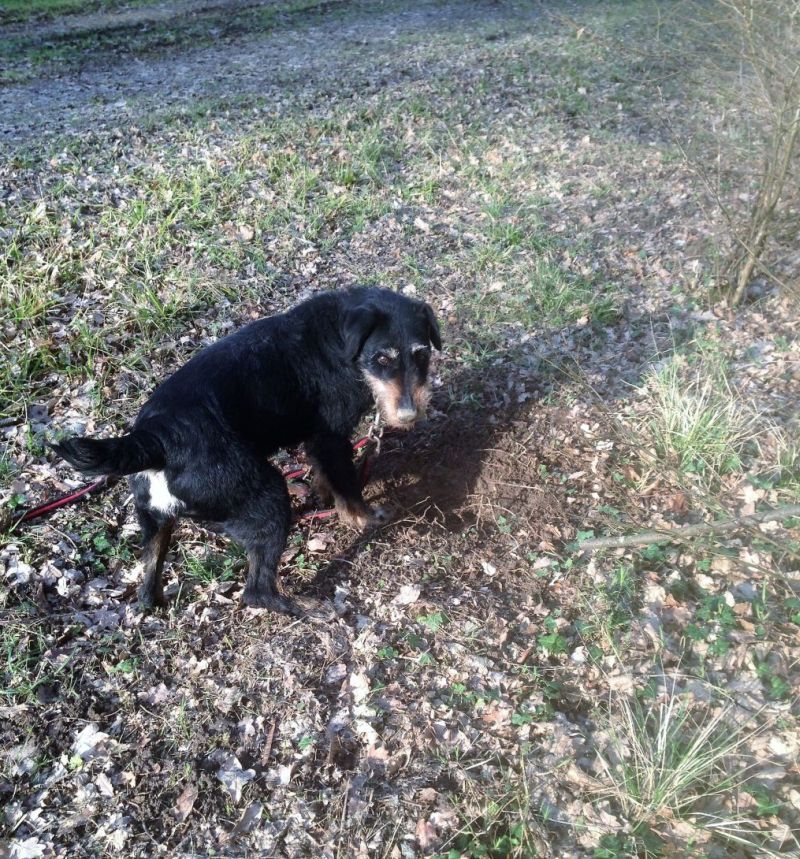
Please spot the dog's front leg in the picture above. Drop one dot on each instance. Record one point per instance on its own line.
(332, 458)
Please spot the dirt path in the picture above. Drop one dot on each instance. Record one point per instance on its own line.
(108, 19)
(340, 41)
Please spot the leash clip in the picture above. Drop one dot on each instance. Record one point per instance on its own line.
(375, 433)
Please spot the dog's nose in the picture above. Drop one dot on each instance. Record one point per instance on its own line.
(406, 415)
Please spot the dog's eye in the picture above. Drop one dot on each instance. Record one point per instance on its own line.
(384, 360)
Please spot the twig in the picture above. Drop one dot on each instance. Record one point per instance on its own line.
(267, 750)
(342, 820)
(680, 535)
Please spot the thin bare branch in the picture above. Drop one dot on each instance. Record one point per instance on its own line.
(682, 535)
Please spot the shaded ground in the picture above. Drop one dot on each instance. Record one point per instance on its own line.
(483, 687)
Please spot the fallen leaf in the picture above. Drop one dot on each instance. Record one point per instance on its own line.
(246, 823)
(104, 785)
(317, 544)
(185, 803)
(426, 835)
(489, 569)
(407, 595)
(678, 504)
(233, 777)
(359, 686)
(495, 715)
(90, 742)
(377, 757)
(336, 673)
(30, 848)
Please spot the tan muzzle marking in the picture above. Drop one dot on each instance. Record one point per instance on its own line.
(388, 396)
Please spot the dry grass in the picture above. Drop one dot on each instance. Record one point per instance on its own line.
(672, 759)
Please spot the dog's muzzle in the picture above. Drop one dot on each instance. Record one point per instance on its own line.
(399, 408)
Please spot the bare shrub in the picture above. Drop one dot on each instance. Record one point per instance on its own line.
(767, 37)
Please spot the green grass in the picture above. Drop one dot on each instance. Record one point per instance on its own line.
(695, 421)
(497, 822)
(23, 670)
(71, 48)
(156, 256)
(610, 606)
(548, 295)
(669, 760)
(782, 451)
(521, 275)
(212, 567)
(152, 259)
(468, 181)
(175, 236)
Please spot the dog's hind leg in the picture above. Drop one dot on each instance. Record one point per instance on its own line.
(156, 534)
(261, 525)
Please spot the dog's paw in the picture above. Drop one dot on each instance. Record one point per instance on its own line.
(149, 598)
(354, 514)
(274, 602)
(359, 515)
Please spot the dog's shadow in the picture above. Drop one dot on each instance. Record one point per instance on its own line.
(430, 476)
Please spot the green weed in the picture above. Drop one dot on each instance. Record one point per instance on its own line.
(497, 824)
(433, 621)
(22, 664)
(552, 642)
(213, 567)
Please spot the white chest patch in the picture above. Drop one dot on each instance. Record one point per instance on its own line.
(161, 498)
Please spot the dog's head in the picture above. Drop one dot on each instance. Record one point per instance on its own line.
(389, 337)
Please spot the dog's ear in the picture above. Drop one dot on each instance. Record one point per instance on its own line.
(434, 334)
(359, 322)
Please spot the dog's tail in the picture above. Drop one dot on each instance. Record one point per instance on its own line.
(137, 451)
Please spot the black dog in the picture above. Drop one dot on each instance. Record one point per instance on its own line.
(199, 446)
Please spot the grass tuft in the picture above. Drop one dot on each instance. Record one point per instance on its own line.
(498, 823)
(697, 423)
(672, 767)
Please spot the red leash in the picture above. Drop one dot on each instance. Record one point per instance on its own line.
(105, 482)
(63, 500)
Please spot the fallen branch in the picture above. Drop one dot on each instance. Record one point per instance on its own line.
(681, 535)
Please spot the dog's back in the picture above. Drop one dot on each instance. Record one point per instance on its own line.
(262, 383)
